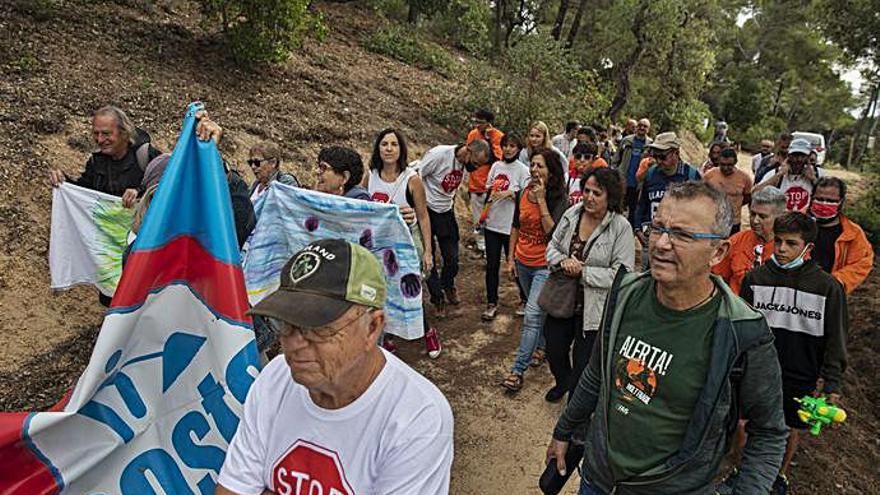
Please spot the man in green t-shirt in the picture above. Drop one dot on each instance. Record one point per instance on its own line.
(681, 358)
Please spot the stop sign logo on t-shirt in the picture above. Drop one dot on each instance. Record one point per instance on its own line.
(797, 198)
(501, 183)
(380, 197)
(309, 469)
(452, 180)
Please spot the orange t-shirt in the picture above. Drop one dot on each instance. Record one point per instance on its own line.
(597, 163)
(477, 179)
(531, 247)
(737, 187)
(493, 136)
(644, 165)
(741, 258)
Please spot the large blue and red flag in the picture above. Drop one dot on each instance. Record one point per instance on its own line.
(161, 398)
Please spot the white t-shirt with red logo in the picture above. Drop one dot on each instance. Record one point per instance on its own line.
(395, 439)
(390, 192)
(574, 191)
(505, 176)
(441, 173)
(797, 189)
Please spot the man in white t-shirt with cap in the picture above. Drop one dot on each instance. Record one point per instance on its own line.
(795, 177)
(335, 414)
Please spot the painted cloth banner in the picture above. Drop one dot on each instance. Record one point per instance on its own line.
(87, 239)
(161, 398)
(289, 218)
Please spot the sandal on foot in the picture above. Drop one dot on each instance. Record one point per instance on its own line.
(537, 358)
(513, 382)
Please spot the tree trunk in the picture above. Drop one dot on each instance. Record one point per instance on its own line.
(776, 100)
(412, 15)
(497, 34)
(626, 67)
(872, 116)
(864, 120)
(576, 24)
(560, 19)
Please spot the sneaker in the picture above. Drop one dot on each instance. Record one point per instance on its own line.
(432, 343)
(389, 345)
(521, 310)
(452, 296)
(490, 312)
(780, 486)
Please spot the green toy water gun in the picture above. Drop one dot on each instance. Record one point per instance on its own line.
(816, 413)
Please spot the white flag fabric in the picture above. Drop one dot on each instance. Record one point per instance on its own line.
(87, 238)
(161, 397)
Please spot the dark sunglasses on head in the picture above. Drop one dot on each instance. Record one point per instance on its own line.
(255, 162)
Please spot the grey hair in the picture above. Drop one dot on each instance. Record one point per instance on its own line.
(770, 196)
(269, 150)
(699, 189)
(123, 123)
(479, 146)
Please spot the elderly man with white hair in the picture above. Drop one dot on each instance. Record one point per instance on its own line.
(753, 247)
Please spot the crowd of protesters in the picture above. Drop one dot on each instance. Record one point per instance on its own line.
(719, 328)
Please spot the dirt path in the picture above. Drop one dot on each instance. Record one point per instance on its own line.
(500, 440)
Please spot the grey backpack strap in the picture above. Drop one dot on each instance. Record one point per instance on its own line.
(143, 155)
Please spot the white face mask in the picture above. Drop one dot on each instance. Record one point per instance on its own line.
(795, 263)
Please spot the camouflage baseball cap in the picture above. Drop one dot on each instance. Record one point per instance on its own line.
(322, 281)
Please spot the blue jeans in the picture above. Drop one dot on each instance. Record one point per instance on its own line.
(587, 488)
(532, 280)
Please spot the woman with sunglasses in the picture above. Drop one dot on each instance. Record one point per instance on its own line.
(264, 159)
(339, 172)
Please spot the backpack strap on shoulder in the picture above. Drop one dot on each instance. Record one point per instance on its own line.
(142, 154)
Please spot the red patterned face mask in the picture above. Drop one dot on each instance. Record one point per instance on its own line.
(824, 210)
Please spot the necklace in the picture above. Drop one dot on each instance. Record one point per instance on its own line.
(704, 301)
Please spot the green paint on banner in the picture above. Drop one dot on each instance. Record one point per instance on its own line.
(113, 222)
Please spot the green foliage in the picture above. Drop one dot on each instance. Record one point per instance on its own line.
(766, 128)
(394, 9)
(26, 63)
(264, 30)
(465, 23)
(405, 45)
(865, 209)
(541, 82)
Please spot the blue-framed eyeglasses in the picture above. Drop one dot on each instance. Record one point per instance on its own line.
(678, 235)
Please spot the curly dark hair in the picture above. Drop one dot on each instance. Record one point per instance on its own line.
(555, 187)
(376, 159)
(609, 181)
(342, 159)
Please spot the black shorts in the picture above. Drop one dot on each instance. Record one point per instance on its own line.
(791, 390)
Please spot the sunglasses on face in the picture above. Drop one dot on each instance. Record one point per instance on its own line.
(583, 157)
(256, 162)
